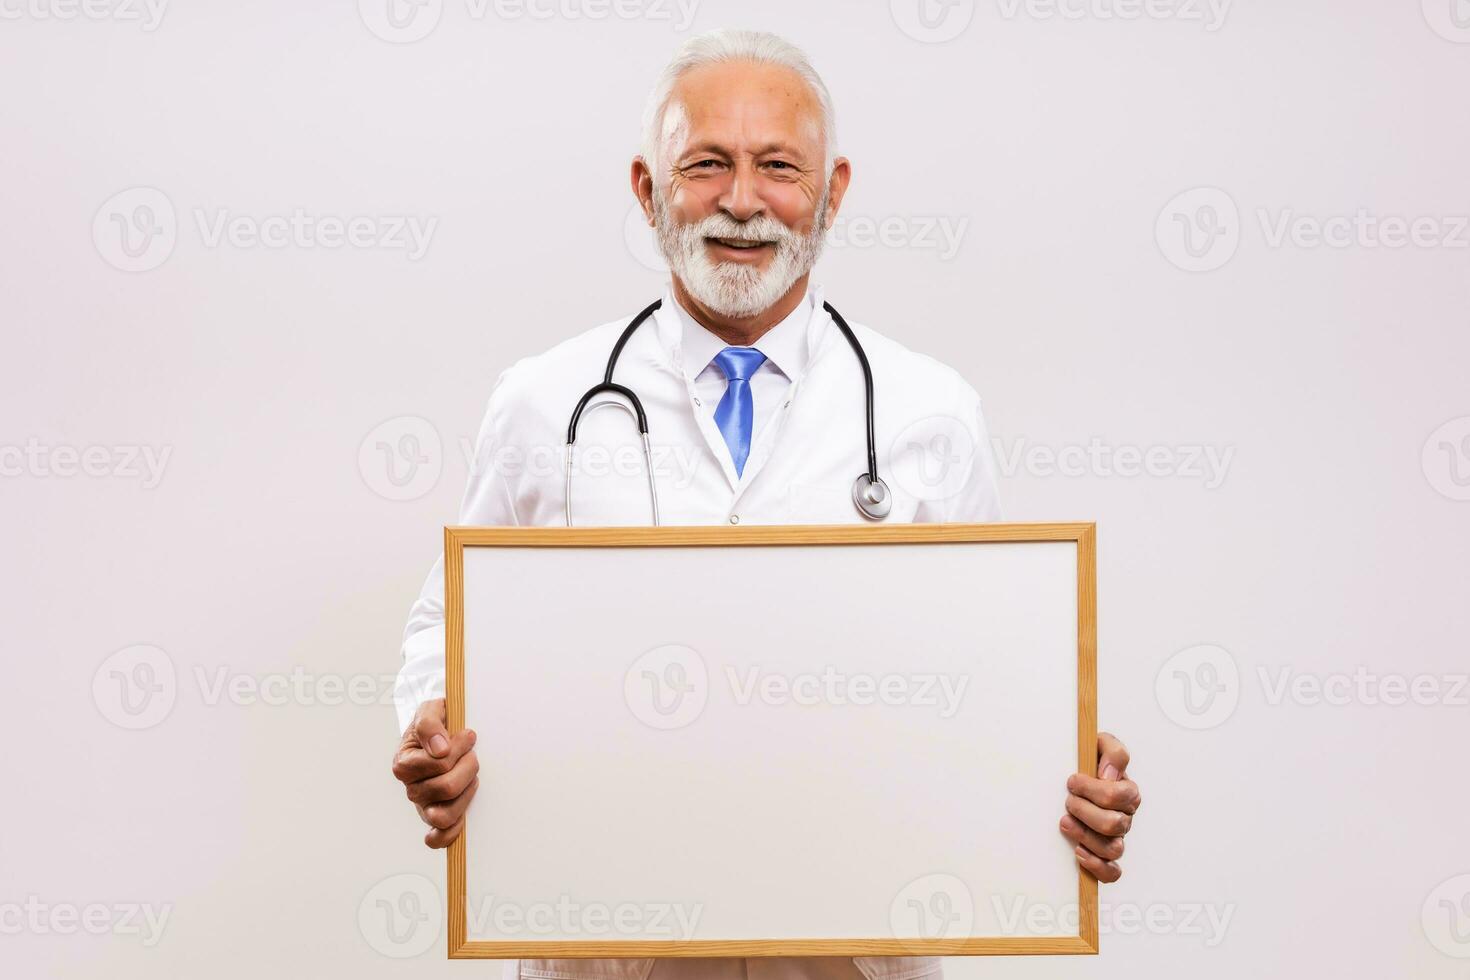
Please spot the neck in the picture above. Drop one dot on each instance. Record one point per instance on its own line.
(741, 331)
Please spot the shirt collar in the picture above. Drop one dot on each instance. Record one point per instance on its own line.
(785, 345)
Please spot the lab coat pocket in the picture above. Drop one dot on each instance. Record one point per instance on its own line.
(633, 969)
(899, 967)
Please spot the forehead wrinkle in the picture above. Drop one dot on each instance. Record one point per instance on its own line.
(791, 95)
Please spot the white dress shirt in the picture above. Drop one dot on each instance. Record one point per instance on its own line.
(932, 448)
(784, 346)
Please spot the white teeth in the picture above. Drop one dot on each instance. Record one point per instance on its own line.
(739, 243)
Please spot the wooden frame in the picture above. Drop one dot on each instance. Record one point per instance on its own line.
(456, 539)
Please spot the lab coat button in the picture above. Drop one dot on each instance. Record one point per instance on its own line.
(734, 518)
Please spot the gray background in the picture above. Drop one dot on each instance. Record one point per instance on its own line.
(268, 828)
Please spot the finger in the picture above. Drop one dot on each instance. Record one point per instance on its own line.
(1107, 848)
(1109, 823)
(437, 789)
(1119, 794)
(413, 763)
(442, 816)
(1112, 756)
(443, 838)
(1104, 871)
(429, 728)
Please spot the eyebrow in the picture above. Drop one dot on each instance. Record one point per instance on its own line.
(711, 147)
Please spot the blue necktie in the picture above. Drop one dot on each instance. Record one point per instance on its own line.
(735, 415)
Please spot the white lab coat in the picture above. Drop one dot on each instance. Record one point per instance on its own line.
(933, 451)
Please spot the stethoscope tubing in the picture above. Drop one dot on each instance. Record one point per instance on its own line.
(871, 498)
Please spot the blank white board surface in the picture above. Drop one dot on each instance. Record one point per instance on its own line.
(751, 748)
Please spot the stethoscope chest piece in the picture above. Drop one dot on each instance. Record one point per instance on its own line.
(872, 497)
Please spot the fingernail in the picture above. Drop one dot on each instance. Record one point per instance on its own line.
(1079, 851)
(438, 745)
(1110, 771)
(1072, 782)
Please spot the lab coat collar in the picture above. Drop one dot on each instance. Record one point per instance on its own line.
(788, 345)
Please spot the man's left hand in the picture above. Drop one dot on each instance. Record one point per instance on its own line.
(1100, 810)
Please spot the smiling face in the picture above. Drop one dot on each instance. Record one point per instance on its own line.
(741, 197)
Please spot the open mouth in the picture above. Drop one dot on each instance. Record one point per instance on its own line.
(740, 244)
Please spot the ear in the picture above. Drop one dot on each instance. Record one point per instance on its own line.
(642, 181)
(837, 188)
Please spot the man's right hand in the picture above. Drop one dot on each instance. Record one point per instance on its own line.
(439, 771)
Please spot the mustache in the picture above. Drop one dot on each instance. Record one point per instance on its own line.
(761, 228)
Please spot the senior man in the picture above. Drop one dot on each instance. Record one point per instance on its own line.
(754, 394)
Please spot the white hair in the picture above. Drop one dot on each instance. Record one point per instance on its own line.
(730, 45)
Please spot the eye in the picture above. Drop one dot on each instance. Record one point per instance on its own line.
(704, 165)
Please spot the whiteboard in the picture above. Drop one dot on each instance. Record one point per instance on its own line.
(771, 741)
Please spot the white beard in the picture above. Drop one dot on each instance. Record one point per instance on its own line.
(734, 289)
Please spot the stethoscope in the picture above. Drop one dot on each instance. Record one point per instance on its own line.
(869, 493)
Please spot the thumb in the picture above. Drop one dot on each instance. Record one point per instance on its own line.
(429, 730)
(1113, 758)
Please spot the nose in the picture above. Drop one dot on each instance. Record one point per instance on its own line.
(741, 199)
